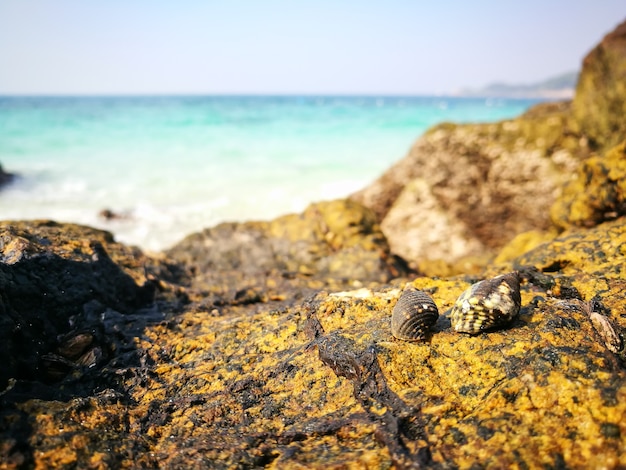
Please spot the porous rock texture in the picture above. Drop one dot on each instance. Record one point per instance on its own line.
(597, 194)
(56, 280)
(196, 377)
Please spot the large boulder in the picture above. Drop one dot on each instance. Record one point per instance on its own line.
(600, 100)
(466, 190)
(336, 239)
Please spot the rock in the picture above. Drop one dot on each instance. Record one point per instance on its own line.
(336, 239)
(600, 101)
(481, 185)
(467, 190)
(597, 194)
(5, 177)
(333, 245)
(57, 280)
(109, 215)
(322, 382)
(590, 260)
(430, 228)
(523, 243)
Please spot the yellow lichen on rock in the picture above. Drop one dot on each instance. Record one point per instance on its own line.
(257, 374)
(522, 243)
(597, 194)
(320, 381)
(587, 259)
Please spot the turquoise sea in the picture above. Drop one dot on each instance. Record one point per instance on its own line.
(170, 166)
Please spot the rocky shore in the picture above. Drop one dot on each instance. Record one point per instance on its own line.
(268, 344)
(465, 191)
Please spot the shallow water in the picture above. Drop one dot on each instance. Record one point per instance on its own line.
(170, 166)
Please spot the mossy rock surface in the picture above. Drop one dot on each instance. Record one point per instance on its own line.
(338, 239)
(597, 194)
(320, 382)
(600, 100)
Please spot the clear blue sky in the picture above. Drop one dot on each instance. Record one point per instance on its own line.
(280, 46)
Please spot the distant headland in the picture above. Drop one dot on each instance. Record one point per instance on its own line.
(558, 87)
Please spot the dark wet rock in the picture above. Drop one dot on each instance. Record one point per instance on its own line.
(57, 280)
(6, 177)
(108, 215)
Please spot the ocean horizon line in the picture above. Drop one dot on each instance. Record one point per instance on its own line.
(450, 95)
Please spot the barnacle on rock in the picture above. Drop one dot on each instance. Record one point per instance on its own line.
(487, 304)
(413, 315)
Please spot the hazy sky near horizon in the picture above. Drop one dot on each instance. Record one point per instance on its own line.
(292, 47)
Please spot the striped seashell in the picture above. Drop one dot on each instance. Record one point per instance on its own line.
(413, 315)
(488, 304)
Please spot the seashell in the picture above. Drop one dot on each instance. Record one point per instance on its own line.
(90, 358)
(55, 367)
(607, 331)
(487, 304)
(74, 346)
(413, 315)
(604, 326)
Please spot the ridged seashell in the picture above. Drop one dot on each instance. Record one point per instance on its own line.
(413, 315)
(74, 346)
(56, 367)
(605, 327)
(90, 358)
(606, 330)
(487, 304)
